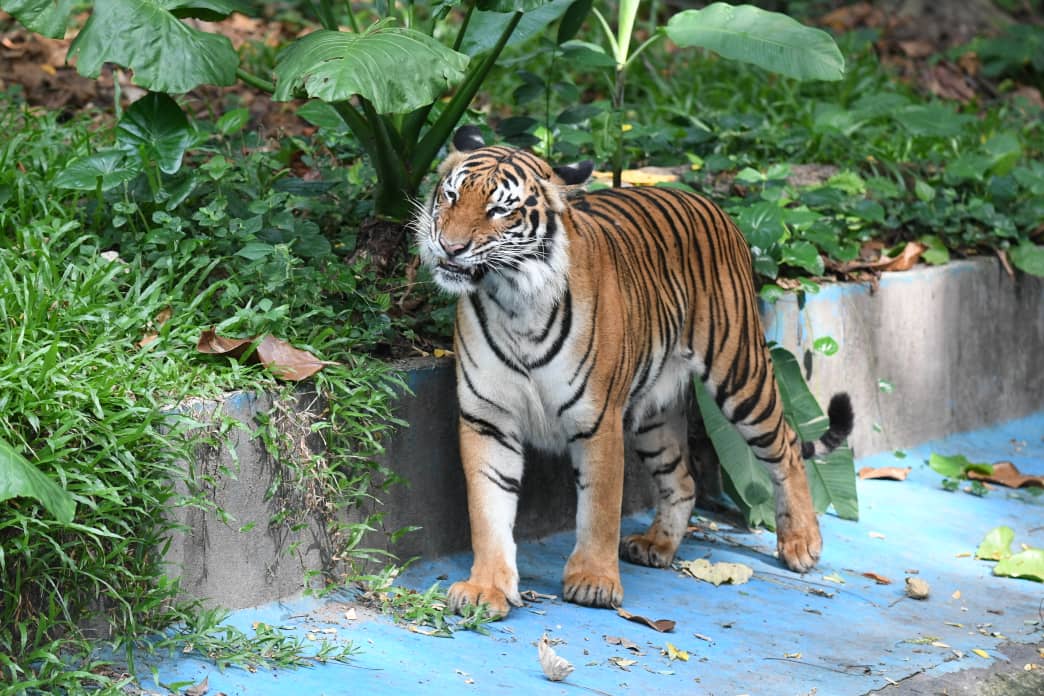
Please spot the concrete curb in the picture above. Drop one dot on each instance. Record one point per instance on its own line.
(959, 345)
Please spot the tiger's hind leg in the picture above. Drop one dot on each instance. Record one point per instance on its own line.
(662, 444)
(755, 407)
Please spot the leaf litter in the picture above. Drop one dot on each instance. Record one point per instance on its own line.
(555, 667)
(275, 354)
(661, 625)
(717, 573)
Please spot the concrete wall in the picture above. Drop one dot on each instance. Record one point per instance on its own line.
(962, 345)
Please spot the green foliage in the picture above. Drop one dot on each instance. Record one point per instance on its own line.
(19, 478)
(957, 466)
(996, 546)
(831, 478)
(770, 40)
(429, 609)
(231, 240)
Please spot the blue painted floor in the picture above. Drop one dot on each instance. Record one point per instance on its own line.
(781, 633)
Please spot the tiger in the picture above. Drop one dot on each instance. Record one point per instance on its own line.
(581, 319)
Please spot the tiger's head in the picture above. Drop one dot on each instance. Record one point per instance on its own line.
(494, 216)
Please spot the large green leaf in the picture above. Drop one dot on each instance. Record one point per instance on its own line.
(800, 407)
(47, 17)
(108, 168)
(165, 54)
(769, 40)
(20, 479)
(395, 69)
(997, 544)
(1028, 564)
(210, 10)
(746, 480)
(155, 128)
(1028, 257)
(833, 482)
(486, 27)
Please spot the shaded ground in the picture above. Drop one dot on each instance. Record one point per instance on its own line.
(834, 631)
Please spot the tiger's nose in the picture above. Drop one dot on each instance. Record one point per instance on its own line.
(453, 248)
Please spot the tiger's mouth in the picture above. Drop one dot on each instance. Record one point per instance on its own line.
(455, 272)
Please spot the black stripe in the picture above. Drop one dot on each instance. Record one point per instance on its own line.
(649, 454)
(484, 427)
(563, 332)
(480, 313)
(506, 483)
(668, 468)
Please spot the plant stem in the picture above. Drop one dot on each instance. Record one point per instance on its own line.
(351, 17)
(439, 132)
(463, 26)
(255, 81)
(618, 100)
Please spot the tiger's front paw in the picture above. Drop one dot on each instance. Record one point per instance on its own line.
(498, 601)
(639, 549)
(593, 590)
(799, 545)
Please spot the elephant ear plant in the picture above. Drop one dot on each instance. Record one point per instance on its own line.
(770, 40)
(385, 80)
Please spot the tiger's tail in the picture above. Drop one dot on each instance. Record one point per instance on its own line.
(841, 421)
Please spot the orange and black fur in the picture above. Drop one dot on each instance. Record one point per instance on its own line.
(582, 317)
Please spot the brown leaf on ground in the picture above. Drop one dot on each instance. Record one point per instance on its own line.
(1007, 474)
(199, 689)
(906, 260)
(287, 362)
(879, 579)
(916, 48)
(278, 356)
(211, 343)
(849, 17)
(661, 625)
(624, 643)
(152, 334)
(892, 473)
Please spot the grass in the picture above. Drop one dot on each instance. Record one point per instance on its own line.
(89, 404)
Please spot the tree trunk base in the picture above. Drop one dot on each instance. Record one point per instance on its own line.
(380, 242)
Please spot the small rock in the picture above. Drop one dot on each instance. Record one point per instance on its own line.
(917, 588)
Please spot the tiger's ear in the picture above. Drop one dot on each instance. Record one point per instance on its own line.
(575, 174)
(468, 138)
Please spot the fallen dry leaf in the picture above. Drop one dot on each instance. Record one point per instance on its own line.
(661, 625)
(717, 573)
(981, 653)
(892, 473)
(624, 643)
(278, 356)
(1007, 474)
(834, 577)
(623, 663)
(879, 579)
(555, 668)
(534, 596)
(160, 319)
(906, 259)
(876, 535)
(199, 689)
(917, 588)
(674, 653)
